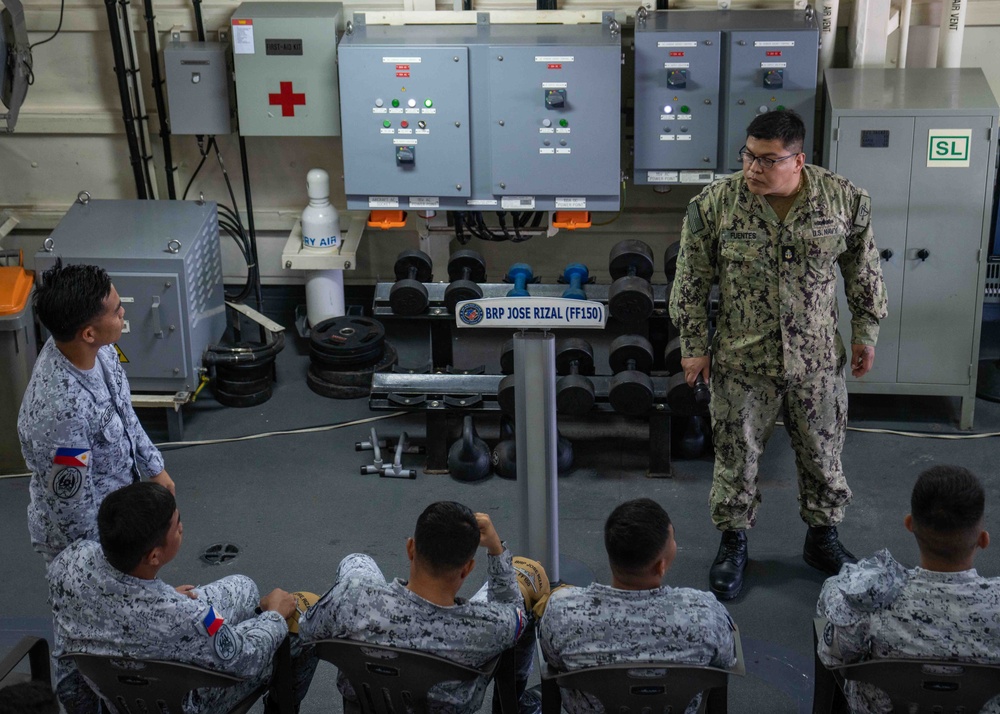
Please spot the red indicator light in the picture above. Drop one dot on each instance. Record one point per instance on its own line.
(676, 54)
(404, 123)
(774, 53)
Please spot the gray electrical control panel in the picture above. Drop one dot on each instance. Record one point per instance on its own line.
(285, 66)
(923, 143)
(485, 116)
(702, 76)
(165, 261)
(199, 91)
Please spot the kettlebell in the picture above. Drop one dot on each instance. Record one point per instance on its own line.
(693, 441)
(469, 457)
(505, 454)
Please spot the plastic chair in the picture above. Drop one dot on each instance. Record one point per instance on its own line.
(912, 685)
(646, 686)
(36, 649)
(149, 685)
(390, 680)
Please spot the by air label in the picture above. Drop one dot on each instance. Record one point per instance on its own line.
(527, 312)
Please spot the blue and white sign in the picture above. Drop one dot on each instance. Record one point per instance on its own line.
(531, 312)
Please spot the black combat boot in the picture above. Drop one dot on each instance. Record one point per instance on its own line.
(726, 576)
(824, 551)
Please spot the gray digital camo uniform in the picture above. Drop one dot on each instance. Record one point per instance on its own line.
(362, 606)
(776, 339)
(878, 609)
(599, 625)
(100, 610)
(66, 408)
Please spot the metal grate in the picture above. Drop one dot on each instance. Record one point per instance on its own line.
(220, 553)
(992, 292)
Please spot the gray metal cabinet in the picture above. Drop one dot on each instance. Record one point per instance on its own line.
(923, 143)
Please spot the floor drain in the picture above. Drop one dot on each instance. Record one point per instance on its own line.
(220, 553)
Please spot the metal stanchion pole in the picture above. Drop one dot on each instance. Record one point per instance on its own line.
(535, 434)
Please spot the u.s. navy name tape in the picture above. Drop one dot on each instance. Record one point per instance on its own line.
(528, 312)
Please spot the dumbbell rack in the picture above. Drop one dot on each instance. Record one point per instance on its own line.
(442, 394)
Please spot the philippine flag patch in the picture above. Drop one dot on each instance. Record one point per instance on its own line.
(72, 457)
(522, 622)
(212, 622)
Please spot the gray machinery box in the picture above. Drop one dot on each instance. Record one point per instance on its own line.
(285, 66)
(481, 117)
(199, 91)
(923, 142)
(165, 261)
(702, 76)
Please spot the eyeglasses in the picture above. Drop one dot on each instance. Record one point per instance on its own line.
(764, 162)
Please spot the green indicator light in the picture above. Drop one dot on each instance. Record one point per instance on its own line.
(685, 109)
(386, 123)
(563, 123)
(428, 103)
(780, 107)
(395, 102)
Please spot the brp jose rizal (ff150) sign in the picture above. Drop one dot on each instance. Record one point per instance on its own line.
(531, 312)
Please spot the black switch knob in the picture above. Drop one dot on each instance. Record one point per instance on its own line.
(406, 155)
(774, 79)
(677, 78)
(886, 254)
(555, 98)
(923, 254)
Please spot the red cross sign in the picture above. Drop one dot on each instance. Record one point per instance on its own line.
(287, 99)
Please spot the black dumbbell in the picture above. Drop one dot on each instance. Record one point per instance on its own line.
(466, 269)
(574, 392)
(631, 389)
(686, 400)
(630, 298)
(670, 260)
(672, 357)
(505, 390)
(469, 457)
(408, 295)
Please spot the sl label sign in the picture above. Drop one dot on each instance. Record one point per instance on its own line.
(948, 147)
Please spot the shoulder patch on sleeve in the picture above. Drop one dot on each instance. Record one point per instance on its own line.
(227, 643)
(212, 622)
(696, 222)
(66, 482)
(522, 623)
(830, 640)
(863, 216)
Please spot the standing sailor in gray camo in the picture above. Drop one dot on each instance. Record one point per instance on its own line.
(773, 236)
(79, 434)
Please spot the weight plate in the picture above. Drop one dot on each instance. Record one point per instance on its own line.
(471, 260)
(574, 349)
(408, 297)
(359, 377)
(630, 299)
(416, 260)
(241, 400)
(574, 395)
(461, 290)
(243, 388)
(629, 255)
(631, 393)
(335, 391)
(670, 260)
(245, 371)
(631, 347)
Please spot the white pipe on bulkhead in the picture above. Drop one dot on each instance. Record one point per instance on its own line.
(952, 33)
(828, 12)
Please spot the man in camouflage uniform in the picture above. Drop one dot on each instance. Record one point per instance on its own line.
(107, 600)
(943, 609)
(79, 434)
(424, 612)
(636, 618)
(772, 236)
